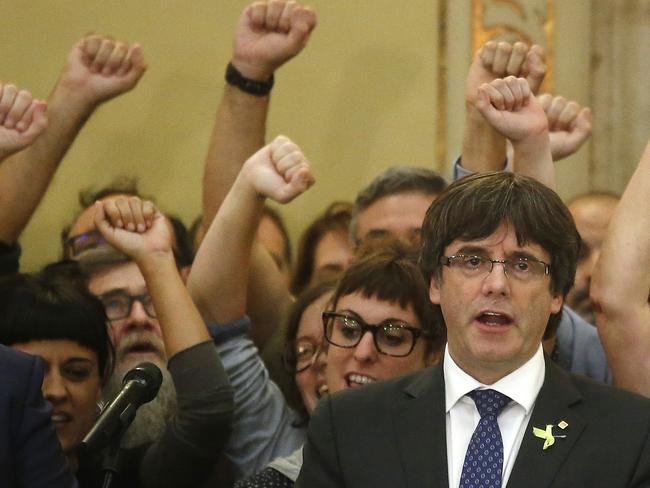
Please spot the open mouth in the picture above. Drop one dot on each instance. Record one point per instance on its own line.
(60, 418)
(354, 380)
(494, 319)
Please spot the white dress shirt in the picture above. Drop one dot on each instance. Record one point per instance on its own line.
(522, 386)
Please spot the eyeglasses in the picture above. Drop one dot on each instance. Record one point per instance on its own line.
(118, 304)
(75, 245)
(300, 355)
(392, 337)
(521, 269)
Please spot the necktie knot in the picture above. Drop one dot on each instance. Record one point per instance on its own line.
(489, 402)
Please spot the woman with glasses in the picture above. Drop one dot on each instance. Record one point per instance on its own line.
(379, 324)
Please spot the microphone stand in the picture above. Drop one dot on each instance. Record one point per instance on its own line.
(111, 459)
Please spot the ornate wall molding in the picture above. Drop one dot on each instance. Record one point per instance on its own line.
(530, 21)
(620, 63)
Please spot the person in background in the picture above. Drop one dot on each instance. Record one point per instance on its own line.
(324, 246)
(592, 213)
(176, 438)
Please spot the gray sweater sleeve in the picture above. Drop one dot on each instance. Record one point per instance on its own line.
(188, 451)
(264, 426)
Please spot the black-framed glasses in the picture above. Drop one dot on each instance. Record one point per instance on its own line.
(75, 245)
(118, 304)
(392, 337)
(519, 268)
(301, 354)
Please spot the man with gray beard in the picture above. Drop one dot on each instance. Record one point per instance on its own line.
(137, 337)
(176, 438)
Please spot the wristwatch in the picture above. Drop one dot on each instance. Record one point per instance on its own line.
(254, 87)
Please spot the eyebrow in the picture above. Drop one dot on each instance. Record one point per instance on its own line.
(122, 291)
(481, 251)
(358, 317)
(74, 361)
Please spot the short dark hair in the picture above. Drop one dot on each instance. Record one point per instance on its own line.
(121, 185)
(336, 217)
(128, 186)
(388, 270)
(55, 304)
(474, 207)
(398, 179)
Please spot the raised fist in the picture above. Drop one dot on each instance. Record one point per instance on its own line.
(279, 171)
(100, 68)
(509, 106)
(268, 34)
(498, 60)
(133, 226)
(22, 119)
(569, 125)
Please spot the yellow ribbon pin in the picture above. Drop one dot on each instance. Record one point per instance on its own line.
(547, 435)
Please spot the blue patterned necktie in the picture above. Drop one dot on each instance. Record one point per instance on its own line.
(483, 466)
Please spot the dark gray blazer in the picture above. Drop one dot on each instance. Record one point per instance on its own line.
(30, 453)
(392, 434)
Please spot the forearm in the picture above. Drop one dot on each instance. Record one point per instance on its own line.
(484, 149)
(238, 133)
(263, 425)
(180, 321)
(219, 278)
(621, 281)
(25, 177)
(532, 157)
(187, 452)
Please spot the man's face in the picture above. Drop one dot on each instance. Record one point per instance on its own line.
(399, 215)
(591, 216)
(136, 337)
(332, 254)
(495, 323)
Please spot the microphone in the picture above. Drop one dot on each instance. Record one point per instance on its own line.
(139, 386)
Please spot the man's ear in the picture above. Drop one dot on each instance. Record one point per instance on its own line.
(434, 291)
(556, 303)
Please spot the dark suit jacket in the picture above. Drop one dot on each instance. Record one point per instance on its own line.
(392, 434)
(30, 454)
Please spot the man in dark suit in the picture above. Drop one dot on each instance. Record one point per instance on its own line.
(500, 252)
(30, 454)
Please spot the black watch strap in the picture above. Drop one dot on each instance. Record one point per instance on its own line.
(254, 87)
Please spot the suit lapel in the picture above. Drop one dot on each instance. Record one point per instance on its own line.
(420, 430)
(536, 467)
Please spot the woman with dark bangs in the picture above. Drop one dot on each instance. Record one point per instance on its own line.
(378, 325)
(52, 315)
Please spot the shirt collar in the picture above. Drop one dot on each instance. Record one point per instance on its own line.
(522, 385)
